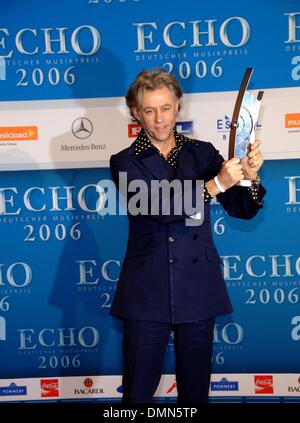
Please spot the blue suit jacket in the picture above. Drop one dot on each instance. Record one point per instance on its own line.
(172, 272)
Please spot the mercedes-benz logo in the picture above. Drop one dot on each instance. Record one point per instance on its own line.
(82, 128)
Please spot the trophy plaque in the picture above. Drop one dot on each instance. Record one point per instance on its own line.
(244, 120)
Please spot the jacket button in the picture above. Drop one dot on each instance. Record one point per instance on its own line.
(195, 259)
(171, 261)
(195, 237)
(171, 239)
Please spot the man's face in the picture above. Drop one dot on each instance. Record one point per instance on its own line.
(157, 114)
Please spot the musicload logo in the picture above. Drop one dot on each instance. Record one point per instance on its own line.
(18, 133)
(292, 122)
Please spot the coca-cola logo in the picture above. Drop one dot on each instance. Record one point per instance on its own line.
(263, 384)
(49, 388)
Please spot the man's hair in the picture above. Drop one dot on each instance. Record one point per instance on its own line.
(150, 80)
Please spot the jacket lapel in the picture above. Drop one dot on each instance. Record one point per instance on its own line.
(154, 163)
(160, 169)
(158, 166)
(186, 166)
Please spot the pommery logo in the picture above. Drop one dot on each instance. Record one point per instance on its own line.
(13, 389)
(224, 385)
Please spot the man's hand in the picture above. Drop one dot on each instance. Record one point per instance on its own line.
(231, 173)
(253, 162)
(234, 170)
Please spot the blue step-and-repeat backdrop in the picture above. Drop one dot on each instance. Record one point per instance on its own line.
(64, 70)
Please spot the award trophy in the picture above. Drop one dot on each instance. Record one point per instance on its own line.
(243, 123)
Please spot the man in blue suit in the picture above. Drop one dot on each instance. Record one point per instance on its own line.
(171, 278)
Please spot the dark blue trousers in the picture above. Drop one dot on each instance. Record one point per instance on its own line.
(144, 347)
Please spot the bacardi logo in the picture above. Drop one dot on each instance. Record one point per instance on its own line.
(295, 388)
(89, 388)
(88, 382)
